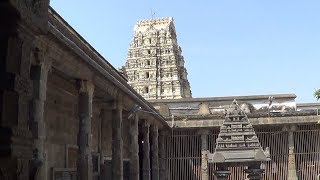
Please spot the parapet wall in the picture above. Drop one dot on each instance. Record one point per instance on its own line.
(278, 103)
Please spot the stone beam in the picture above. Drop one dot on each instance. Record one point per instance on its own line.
(254, 121)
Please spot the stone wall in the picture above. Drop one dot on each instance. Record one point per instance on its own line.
(61, 118)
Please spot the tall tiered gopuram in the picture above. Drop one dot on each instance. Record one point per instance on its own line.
(155, 66)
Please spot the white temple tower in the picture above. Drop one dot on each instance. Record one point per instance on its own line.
(155, 66)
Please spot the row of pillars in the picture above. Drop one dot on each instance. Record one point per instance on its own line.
(153, 160)
(254, 172)
(151, 168)
(39, 75)
(84, 163)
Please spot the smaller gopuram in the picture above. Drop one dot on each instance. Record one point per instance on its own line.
(238, 145)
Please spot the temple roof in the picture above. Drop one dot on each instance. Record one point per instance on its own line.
(237, 140)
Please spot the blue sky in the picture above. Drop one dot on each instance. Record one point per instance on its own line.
(231, 47)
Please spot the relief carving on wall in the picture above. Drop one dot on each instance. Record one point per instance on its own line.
(23, 86)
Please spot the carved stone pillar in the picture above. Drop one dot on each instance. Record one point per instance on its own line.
(146, 151)
(134, 148)
(117, 157)
(84, 163)
(100, 135)
(103, 119)
(39, 74)
(162, 155)
(204, 154)
(20, 24)
(154, 152)
(292, 172)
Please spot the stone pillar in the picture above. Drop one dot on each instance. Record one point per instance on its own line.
(154, 152)
(104, 117)
(134, 148)
(84, 163)
(162, 155)
(100, 135)
(117, 156)
(292, 172)
(39, 74)
(146, 151)
(204, 154)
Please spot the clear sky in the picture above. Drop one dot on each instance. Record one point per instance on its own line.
(231, 47)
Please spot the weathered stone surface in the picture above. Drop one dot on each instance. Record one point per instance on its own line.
(162, 155)
(164, 110)
(146, 171)
(20, 24)
(237, 140)
(204, 154)
(238, 145)
(84, 164)
(117, 143)
(61, 116)
(254, 106)
(292, 169)
(39, 74)
(134, 148)
(204, 109)
(216, 123)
